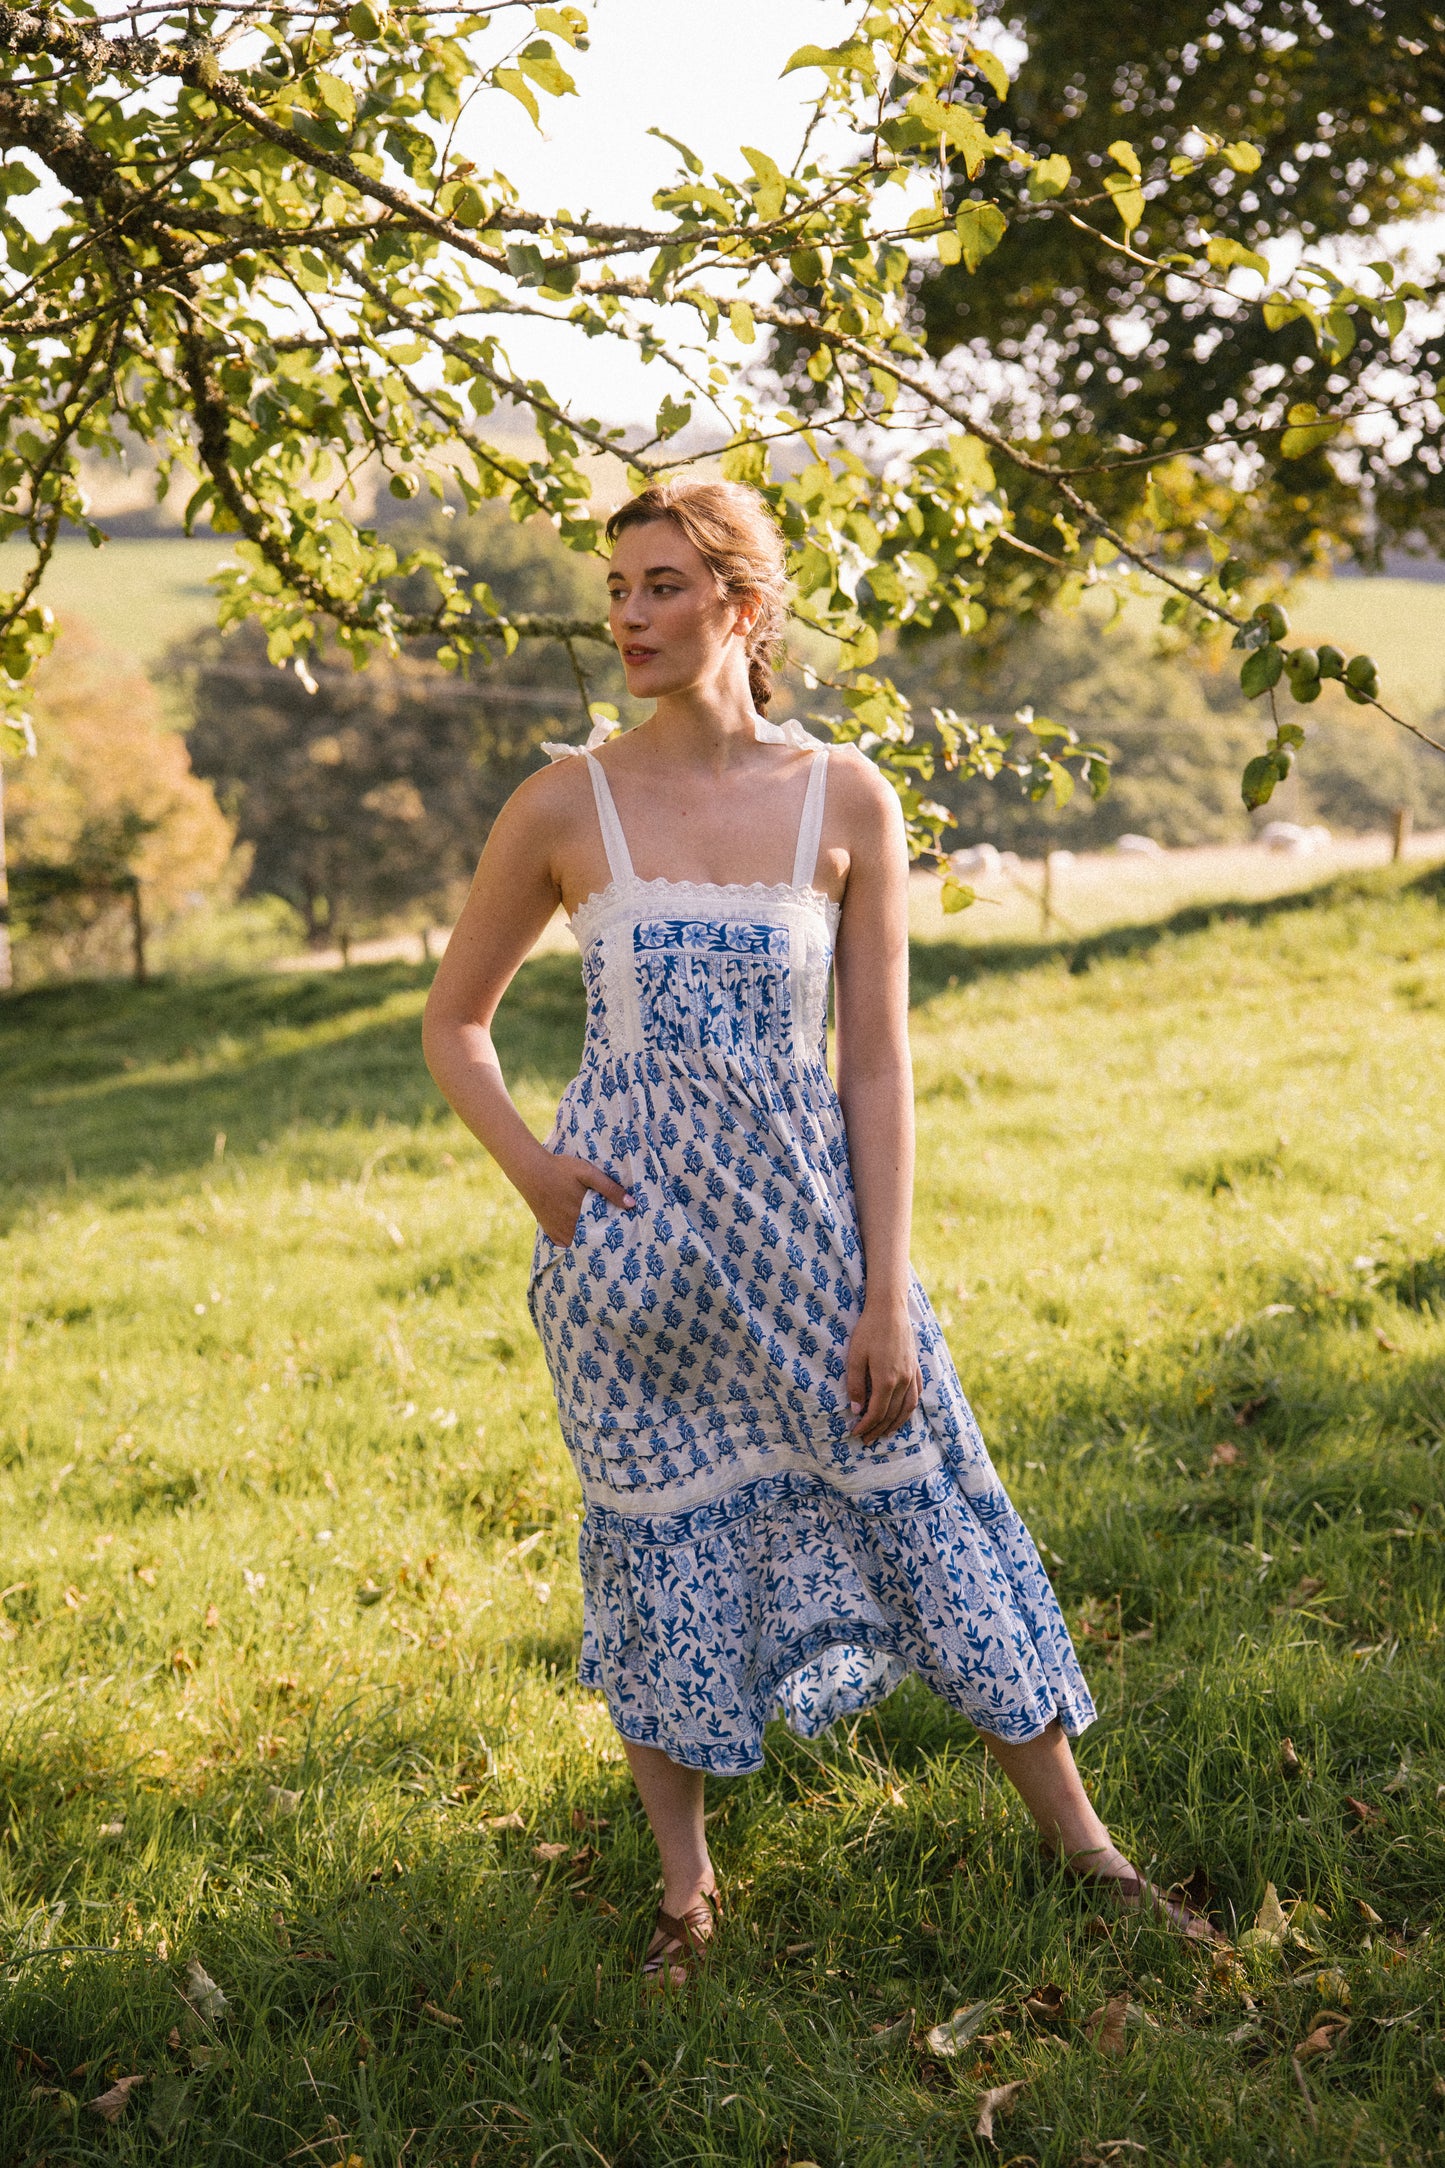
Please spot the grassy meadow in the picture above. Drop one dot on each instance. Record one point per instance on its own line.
(290, 1603)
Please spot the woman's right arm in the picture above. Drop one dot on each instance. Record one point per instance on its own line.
(513, 896)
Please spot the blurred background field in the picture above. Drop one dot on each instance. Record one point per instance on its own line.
(289, 1604)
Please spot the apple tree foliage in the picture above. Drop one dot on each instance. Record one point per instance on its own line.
(258, 242)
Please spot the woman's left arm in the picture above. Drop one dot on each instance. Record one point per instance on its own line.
(875, 1088)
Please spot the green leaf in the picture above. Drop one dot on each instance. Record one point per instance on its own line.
(569, 24)
(1224, 253)
(971, 465)
(854, 58)
(957, 896)
(1260, 670)
(363, 22)
(1279, 310)
(334, 95)
(770, 192)
(1128, 199)
(1308, 430)
(981, 226)
(1256, 785)
(960, 129)
(991, 68)
(1050, 177)
(510, 80)
(741, 323)
(1125, 155)
(689, 158)
(1242, 156)
(538, 61)
(672, 415)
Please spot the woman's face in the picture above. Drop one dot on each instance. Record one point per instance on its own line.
(674, 631)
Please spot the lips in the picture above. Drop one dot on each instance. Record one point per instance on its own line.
(638, 654)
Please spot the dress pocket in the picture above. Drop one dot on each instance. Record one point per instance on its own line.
(547, 1254)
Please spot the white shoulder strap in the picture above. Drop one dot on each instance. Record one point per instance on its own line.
(810, 828)
(614, 842)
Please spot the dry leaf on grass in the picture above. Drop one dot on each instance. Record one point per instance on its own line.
(112, 2104)
(202, 1993)
(1225, 1454)
(953, 2036)
(1105, 2026)
(110, 1831)
(500, 1822)
(1368, 1913)
(1361, 1812)
(283, 1801)
(1385, 1343)
(443, 2017)
(549, 1852)
(883, 2038)
(1271, 1924)
(1289, 1761)
(1403, 1775)
(1045, 2004)
(996, 2101)
(582, 1821)
(1323, 2036)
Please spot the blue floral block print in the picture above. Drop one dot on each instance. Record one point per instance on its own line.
(742, 1554)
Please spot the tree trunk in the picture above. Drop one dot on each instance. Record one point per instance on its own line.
(137, 934)
(7, 971)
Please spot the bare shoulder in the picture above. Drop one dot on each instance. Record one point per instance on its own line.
(863, 804)
(544, 806)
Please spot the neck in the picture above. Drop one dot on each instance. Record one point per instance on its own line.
(711, 725)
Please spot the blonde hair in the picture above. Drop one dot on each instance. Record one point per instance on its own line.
(732, 530)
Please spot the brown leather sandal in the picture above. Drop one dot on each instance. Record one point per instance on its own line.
(681, 1941)
(1138, 1895)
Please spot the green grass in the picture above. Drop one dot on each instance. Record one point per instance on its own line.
(137, 595)
(284, 1511)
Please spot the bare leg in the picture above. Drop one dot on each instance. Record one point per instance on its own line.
(672, 1798)
(1045, 1776)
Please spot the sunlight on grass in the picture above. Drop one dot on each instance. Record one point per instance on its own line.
(291, 1608)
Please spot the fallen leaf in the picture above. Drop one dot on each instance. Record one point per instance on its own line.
(1368, 1913)
(1045, 2004)
(1271, 1924)
(799, 1949)
(1322, 2038)
(1362, 1812)
(550, 1851)
(205, 1998)
(1332, 1984)
(369, 1593)
(503, 1821)
(1105, 2026)
(146, 1574)
(883, 2038)
(1251, 1410)
(583, 1821)
(1289, 1761)
(580, 1865)
(1384, 1342)
(283, 1938)
(173, 2037)
(282, 1801)
(895, 1797)
(182, 1661)
(443, 2017)
(112, 2104)
(1308, 1584)
(1403, 1775)
(1225, 1454)
(109, 1831)
(211, 1620)
(952, 2037)
(996, 2101)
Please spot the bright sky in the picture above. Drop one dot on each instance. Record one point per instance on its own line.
(705, 70)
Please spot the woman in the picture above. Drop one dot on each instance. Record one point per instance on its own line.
(788, 1502)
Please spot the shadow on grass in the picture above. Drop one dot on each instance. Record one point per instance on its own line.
(939, 966)
(106, 1080)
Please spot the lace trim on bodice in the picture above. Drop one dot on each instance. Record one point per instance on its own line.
(693, 899)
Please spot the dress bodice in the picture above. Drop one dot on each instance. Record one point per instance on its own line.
(733, 969)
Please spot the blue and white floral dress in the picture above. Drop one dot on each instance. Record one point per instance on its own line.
(742, 1553)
